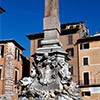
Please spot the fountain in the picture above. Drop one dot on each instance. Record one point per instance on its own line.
(50, 78)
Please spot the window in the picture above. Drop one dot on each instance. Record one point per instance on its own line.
(39, 43)
(16, 89)
(85, 61)
(70, 52)
(86, 93)
(0, 72)
(71, 70)
(84, 46)
(1, 51)
(70, 39)
(86, 78)
(17, 54)
(16, 75)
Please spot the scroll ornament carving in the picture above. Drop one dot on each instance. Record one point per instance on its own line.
(46, 70)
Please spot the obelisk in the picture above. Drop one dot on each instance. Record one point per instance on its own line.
(51, 20)
(51, 27)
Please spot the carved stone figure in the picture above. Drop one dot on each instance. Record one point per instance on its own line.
(50, 80)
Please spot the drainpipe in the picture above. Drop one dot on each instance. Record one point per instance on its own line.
(78, 64)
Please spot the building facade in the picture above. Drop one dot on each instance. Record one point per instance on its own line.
(10, 68)
(71, 32)
(89, 67)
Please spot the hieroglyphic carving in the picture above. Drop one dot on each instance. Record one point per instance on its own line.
(50, 7)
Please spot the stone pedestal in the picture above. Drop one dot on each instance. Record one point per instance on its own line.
(50, 78)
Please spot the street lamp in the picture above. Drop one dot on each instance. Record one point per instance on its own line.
(1, 10)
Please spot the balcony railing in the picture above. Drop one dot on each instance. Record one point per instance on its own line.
(90, 82)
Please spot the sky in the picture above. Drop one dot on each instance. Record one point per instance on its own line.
(24, 17)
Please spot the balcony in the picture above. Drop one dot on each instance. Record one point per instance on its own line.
(89, 83)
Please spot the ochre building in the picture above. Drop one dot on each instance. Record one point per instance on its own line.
(89, 67)
(10, 68)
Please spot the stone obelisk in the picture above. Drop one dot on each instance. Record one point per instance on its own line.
(51, 27)
(51, 20)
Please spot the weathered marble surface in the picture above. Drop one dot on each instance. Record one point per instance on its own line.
(51, 20)
(50, 79)
(51, 8)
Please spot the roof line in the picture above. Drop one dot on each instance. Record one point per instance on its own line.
(12, 40)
